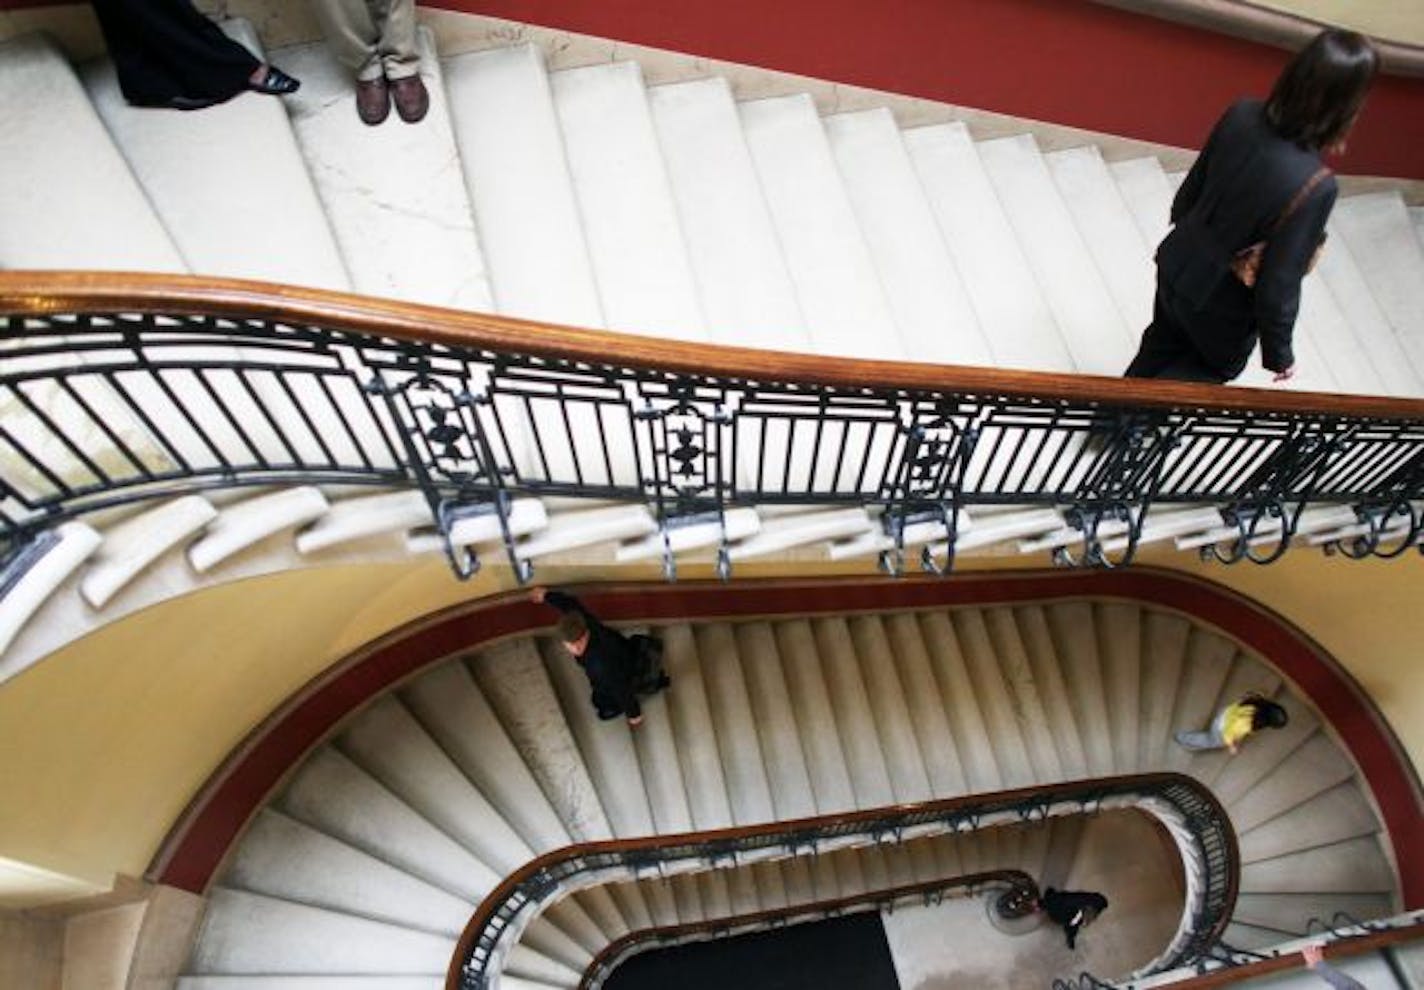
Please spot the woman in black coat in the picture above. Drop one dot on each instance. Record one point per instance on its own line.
(1260, 180)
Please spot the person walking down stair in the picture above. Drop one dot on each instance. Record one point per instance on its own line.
(619, 668)
(167, 54)
(1314, 956)
(1072, 909)
(376, 40)
(1234, 723)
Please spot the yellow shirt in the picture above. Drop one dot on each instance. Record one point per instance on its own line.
(1236, 725)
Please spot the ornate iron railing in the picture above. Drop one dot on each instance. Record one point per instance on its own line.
(1018, 892)
(116, 388)
(1192, 815)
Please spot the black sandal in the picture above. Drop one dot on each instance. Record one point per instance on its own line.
(275, 83)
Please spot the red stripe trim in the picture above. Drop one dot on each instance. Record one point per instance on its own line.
(196, 846)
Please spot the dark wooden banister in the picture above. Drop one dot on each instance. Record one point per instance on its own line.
(51, 292)
(1044, 795)
(619, 946)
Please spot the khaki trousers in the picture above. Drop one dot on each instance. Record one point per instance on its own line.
(371, 37)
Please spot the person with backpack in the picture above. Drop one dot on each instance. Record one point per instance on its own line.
(1234, 723)
(619, 668)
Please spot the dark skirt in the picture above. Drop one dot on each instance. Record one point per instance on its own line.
(164, 50)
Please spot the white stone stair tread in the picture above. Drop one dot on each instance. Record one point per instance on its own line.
(134, 544)
(839, 290)
(1120, 659)
(737, 523)
(913, 535)
(244, 523)
(773, 713)
(572, 530)
(68, 546)
(1108, 229)
(249, 933)
(71, 189)
(1164, 524)
(1093, 329)
(525, 516)
(778, 535)
(927, 714)
(1352, 866)
(394, 196)
(280, 857)
(634, 238)
(1416, 216)
(890, 704)
(690, 711)
(746, 290)
(525, 962)
(1020, 326)
(743, 763)
(388, 742)
(660, 769)
(821, 744)
(367, 515)
(1315, 369)
(332, 794)
(1293, 912)
(508, 981)
(1377, 228)
(1004, 528)
(1378, 343)
(1327, 327)
(229, 184)
(523, 199)
(932, 310)
(967, 723)
(855, 720)
(1148, 194)
(1340, 813)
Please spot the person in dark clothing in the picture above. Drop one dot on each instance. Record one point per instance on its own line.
(1072, 909)
(167, 54)
(1314, 956)
(619, 668)
(1257, 189)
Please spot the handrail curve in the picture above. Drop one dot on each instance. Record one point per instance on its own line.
(1193, 816)
(643, 939)
(121, 387)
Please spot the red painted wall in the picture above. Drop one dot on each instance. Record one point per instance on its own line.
(1067, 61)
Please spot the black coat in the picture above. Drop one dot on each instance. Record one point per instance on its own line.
(610, 660)
(164, 49)
(1072, 909)
(1239, 186)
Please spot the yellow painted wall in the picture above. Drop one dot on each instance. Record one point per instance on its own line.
(103, 743)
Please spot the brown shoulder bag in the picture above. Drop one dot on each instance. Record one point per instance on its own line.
(1246, 263)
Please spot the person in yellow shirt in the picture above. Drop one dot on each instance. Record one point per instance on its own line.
(1234, 723)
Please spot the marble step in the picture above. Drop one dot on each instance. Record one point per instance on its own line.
(738, 739)
(1074, 636)
(987, 252)
(1340, 813)
(1165, 639)
(926, 713)
(689, 710)
(987, 766)
(242, 524)
(931, 307)
(1009, 734)
(1353, 866)
(1120, 652)
(890, 706)
(39, 575)
(827, 763)
(229, 184)
(1377, 229)
(774, 713)
(394, 195)
(865, 753)
(630, 221)
(747, 295)
(1063, 721)
(1097, 337)
(512, 152)
(841, 296)
(1353, 296)
(134, 544)
(1148, 195)
(1106, 225)
(72, 189)
(253, 934)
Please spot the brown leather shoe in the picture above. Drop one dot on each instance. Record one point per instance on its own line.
(373, 100)
(411, 98)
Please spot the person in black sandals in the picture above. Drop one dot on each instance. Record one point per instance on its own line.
(1249, 220)
(619, 668)
(1072, 909)
(376, 41)
(167, 54)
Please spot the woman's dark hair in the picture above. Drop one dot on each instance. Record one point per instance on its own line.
(572, 627)
(1266, 714)
(1319, 94)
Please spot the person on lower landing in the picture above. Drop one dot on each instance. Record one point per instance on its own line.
(1234, 723)
(167, 54)
(619, 668)
(1073, 909)
(1249, 220)
(1314, 956)
(376, 40)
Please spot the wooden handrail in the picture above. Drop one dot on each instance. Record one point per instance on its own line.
(618, 946)
(1352, 946)
(1268, 25)
(46, 293)
(1044, 794)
